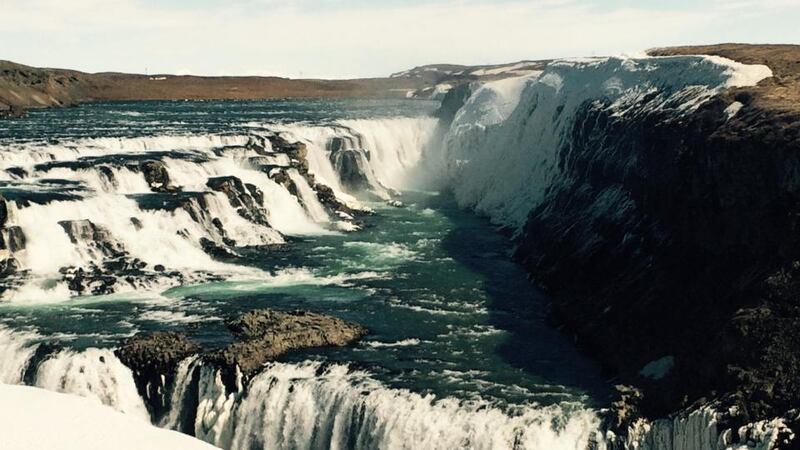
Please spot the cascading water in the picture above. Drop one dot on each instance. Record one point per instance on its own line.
(520, 128)
(459, 355)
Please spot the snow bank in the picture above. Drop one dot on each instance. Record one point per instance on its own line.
(36, 419)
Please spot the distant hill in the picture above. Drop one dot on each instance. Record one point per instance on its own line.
(23, 87)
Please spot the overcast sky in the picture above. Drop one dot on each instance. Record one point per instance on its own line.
(361, 38)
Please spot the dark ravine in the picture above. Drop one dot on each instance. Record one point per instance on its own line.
(696, 262)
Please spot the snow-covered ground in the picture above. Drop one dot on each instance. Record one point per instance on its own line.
(36, 419)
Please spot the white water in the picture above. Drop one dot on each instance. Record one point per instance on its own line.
(305, 406)
(499, 156)
(95, 374)
(15, 351)
(501, 152)
(169, 238)
(396, 147)
(309, 197)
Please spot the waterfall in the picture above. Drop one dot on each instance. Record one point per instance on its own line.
(502, 152)
(146, 204)
(308, 405)
(16, 349)
(395, 146)
(315, 209)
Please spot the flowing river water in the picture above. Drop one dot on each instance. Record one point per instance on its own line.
(459, 354)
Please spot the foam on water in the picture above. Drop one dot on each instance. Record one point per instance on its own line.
(16, 348)
(310, 406)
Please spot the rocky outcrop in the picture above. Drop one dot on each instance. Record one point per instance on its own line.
(157, 177)
(258, 336)
(351, 159)
(11, 111)
(246, 198)
(12, 240)
(265, 335)
(453, 101)
(154, 359)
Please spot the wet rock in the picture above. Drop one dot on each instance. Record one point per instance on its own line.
(264, 335)
(678, 237)
(12, 239)
(154, 359)
(12, 112)
(247, 200)
(259, 336)
(258, 144)
(295, 150)
(9, 266)
(93, 281)
(157, 177)
(217, 251)
(92, 237)
(625, 409)
(453, 100)
(3, 211)
(17, 172)
(328, 198)
(352, 166)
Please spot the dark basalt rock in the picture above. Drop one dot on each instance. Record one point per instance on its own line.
(678, 237)
(266, 334)
(328, 198)
(157, 177)
(259, 336)
(154, 360)
(247, 200)
(8, 266)
(295, 150)
(17, 172)
(352, 166)
(3, 211)
(217, 251)
(453, 100)
(93, 236)
(12, 239)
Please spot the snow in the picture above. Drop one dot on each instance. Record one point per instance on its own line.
(733, 109)
(501, 154)
(741, 75)
(40, 419)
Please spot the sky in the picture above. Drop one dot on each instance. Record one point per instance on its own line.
(365, 38)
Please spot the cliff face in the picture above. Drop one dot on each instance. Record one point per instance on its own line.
(676, 240)
(657, 200)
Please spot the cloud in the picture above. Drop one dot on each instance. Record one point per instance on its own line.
(337, 38)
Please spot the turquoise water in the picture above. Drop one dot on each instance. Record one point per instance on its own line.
(449, 313)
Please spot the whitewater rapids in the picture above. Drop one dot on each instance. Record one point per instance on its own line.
(499, 157)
